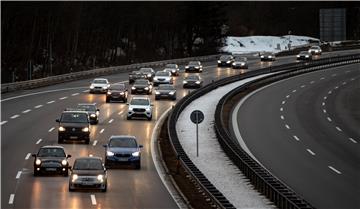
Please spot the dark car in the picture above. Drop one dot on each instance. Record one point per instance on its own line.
(117, 92)
(194, 66)
(173, 69)
(134, 75)
(267, 56)
(51, 159)
(165, 91)
(92, 110)
(123, 150)
(74, 125)
(141, 86)
(225, 60)
(192, 81)
(88, 173)
(240, 63)
(304, 55)
(149, 72)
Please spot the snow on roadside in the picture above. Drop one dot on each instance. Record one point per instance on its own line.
(212, 161)
(248, 44)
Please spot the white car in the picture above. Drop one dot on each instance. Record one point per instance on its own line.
(316, 50)
(99, 85)
(162, 77)
(140, 107)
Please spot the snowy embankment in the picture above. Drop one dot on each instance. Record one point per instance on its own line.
(249, 44)
(212, 161)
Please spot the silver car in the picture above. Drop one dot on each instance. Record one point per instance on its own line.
(162, 77)
(100, 85)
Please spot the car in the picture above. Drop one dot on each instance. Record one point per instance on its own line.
(304, 55)
(149, 72)
(166, 91)
(192, 81)
(225, 60)
(74, 125)
(173, 69)
(140, 107)
(51, 159)
(162, 77)
(122, 150)
(117, 92)
(267, 56)
(92, 110)
(99, 85)
(134, 75)
(240, 63)
(88, 173)
(141, 86)
(315, 50)
(194, 66)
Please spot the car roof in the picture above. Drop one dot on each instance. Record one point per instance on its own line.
(52, 146)
(93, 157)
(73, 110)
(122, 136)
(87, 104)
(100, 79)
(138, 97)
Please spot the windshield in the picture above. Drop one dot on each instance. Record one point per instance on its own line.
(117, 87)
(146, 70)
(122, 142)
(88, 164)
(141, 82)
(241, 59)
(315, 47)
(159, 73)
(193, 77)
(166, 87)
(87, 107)
(170, 66)
(225, 57)
(68, 117)
(304, 52)
(193, 63)
(102, 81)
(139, 102)
(51, 152)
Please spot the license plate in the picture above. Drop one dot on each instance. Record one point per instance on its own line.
(123, 159)
(73, 137)
(86, 183)
(50, 169)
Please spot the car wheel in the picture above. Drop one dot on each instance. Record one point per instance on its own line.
(87, 141)
(174, 98)
(60, 140)
(138, 166)
(107, 100)
(71, 189)
(128, 117)
(36, 173)
(66, 173)
(104, 190)
(149, 118)
(156, 98)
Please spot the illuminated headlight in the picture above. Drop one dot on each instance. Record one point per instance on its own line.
(219, 61)
(86, 129)
(38, 162)
(186, 67)
(270, 56)
(109, 153)
(109, 92)
(121, 93)
(228, 61)
(100, 178)
(104, 87)
(262, 56)
(197, 82)
(184, 82)
(197, 67)
(93, 115)
(64, 162)
(173, 71)
(316, 51)
(297, 55)
(91, 87)
(156, 92)
(309, 51)
(242, 64)
(234, 63)
(172, 92)
(306, 55)
(149, 75)
(61, 128)
(135, 154)
(74, 177)
(97, 113)
(133, 88)
(146, 88)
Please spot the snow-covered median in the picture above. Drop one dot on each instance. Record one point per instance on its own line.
(212, 161)
(249, 44)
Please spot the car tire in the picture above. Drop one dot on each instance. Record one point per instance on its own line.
(149, 118)
(66, 173)
(36, 173)
(70, 189)
(107, 100)
(104, 190)
(60, 141)
(128, 118)
(138, 166)
(156, 98)
(87, 141)
(174, 98)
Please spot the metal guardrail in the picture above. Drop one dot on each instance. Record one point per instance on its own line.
(261, 179)
(7, 87)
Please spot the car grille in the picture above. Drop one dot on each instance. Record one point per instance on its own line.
(122, 155)
(98, 87)
(139, 110)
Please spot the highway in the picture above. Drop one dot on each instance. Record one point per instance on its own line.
(305, 131)
(28, 122)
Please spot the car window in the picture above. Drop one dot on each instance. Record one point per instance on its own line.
(117, 87)
(88, 164)
(141, 82)
(87, 107)
(160, 73)
(241, 59)
(166, 87)
(139, 102)
(74, 118)
(171, 66)
(192, 77)
(122, 142)
(100, 81)
(51, 152)
(193, 63)
(147, 70)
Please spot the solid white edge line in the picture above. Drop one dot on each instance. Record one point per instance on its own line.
(311, 152)
(334, 169)
(18, 174)
(156, 158)
(28, 156)
(353, 140)
(93, 199)
(38, 141)
(51, 129)
(11, 199)
(102, 130)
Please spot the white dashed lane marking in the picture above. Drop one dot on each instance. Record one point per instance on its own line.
(322, 78)
(75, 94)
(38, 106)
(353, 140)
(11, 199)
(311, 82)
(26, 111)
(296, 138)
(323, 104)
(287, 126)
(27, 156)
(311, 152)
(3, 122)
(333, 75)
(303, 86)
(86, 91)
(95, 142)
(329, 119)
(287, 96)
(329, 92)
(348, 71)
(120, 112)
(102, 130)
(93, 199)
(38, 141)
(18, 174)
(294, 90)
(282, 117)
(51, 129)
(335, 170)
(325, 98)
(336, 87)
(344, 83)
(283, 102)
(63, 98)
(352, 79)
(337, 128)
(14, 116)
(49, 102)
(324, 110)
(111, 120)
(281, 109)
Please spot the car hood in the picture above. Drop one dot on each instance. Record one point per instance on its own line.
(57, 159)
(162, 77)
(123, 150)
(140, 86)
(166, 91)
(138, 106)
(239, 62)
(193, 65)
(99, 85)
(88, 172)
(75, 125)
(117, 91)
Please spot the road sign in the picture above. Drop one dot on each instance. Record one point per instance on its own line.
(197, 116)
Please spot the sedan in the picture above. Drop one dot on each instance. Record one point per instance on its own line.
(88, 172)
(194, 66)
(51, 159)
(92, 110)
(117, 92)
(99, 85)
(240, 63)
(267, 56)
(304, 55)
(165, 91)
(225, 60)
(173, 69)
(163, 77)
(141, 86)
(149, 72)
(316, 50)
(123, 150)
(192, 81)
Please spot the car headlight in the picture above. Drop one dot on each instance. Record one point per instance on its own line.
(109, 153)
(173, 71)
(186, 67)
(135, 154)
(242, 64)
(109, 92)
(61, 128)
(86, 129)
(91, 87)
(156, 92)
(148, 109)
(97, 113)
(104, 87)
(133, 88)
(74, 177)
(93, 115)
(234, 63)
(309, 51)
(262, 56)
(297, 55)
(38, 162)
(306, 55)
(270, 56)
(64, 162)
(149, 75)
(146, 88)
(100, 177)
(197, 82)
(121, 93)
(172, 92)
(219, 61)
(228, 61)
(197, 67)
(184, 82)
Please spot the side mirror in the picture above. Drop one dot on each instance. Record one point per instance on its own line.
(98, 110)
(141, 146)
(68, 156)
(57, 120)
(34, 155)
(105, 145)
